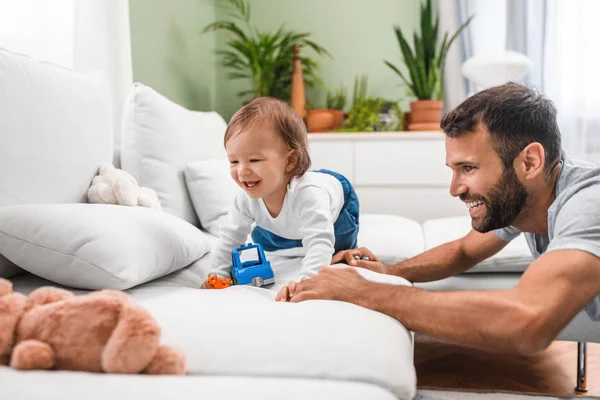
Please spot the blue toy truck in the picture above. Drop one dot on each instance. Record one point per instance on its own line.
(253, 272)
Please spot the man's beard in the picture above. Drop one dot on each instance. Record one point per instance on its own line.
(504, 203)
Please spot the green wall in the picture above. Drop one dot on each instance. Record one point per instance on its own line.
(170, 56)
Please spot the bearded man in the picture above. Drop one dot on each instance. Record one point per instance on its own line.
(504, 148)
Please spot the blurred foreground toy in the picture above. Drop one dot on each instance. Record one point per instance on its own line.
(253, 272)
(219, 283)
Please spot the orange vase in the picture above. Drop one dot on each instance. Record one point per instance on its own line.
(297, 94)
(425, 115)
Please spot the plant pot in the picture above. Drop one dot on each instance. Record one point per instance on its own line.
(425, 115)
(320, 120)
(338, 119)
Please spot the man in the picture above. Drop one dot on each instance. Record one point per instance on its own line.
(503, 146)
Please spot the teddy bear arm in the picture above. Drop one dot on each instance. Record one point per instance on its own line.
(101, 194)
(125, 192)
(32, 354)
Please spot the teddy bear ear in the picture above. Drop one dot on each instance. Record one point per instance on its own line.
(105, 168)
(6, 287)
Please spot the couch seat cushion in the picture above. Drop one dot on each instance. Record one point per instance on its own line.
(515, 257)
(50, 385)
(243, 331)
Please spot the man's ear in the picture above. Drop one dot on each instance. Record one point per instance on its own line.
(530, 163)
(292, 160)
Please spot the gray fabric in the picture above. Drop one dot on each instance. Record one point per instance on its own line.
(573, 217)
(8, 269)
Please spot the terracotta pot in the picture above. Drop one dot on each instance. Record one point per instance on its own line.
(425, 115)
(338, 119)
(320, 120)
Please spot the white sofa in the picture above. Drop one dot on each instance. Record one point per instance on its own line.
(55, 129)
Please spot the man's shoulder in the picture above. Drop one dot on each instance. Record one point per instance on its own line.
(577, 181)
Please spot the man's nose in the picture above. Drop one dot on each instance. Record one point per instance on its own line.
(457, 187)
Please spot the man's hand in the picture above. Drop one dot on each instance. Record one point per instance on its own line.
(361, 257)
(284, 293)
(343, 284)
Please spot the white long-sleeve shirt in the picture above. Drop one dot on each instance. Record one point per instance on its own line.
(310, 208)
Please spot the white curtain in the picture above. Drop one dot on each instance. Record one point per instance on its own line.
(571, 77)
(86, 35)
(486, 34)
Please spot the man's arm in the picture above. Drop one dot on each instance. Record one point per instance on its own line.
(451, 258)
(446, 260)
(524, 319)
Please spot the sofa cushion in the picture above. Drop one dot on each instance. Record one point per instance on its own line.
(243, 331)
(212, 191)
(390, 237)
(160, 138)
(94, 246)
(515, 257)
(51, 386)
(56, 128)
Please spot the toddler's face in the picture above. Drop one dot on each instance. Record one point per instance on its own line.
(258, 158)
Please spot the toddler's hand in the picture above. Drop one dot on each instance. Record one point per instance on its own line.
(206, 285)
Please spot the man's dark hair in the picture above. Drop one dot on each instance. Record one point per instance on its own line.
(515, 116)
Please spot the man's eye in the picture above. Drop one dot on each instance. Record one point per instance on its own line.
(468, 168)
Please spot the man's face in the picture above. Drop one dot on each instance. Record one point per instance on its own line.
(494, 195)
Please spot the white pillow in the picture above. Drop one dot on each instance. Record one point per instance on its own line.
(97, 246)
(55, 129)
(515, 257)
(212, 192)
(159, 138)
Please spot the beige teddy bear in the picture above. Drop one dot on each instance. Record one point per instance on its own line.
(115, 186)
(103, 331)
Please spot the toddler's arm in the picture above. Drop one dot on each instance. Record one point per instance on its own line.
(313, 213)
(233, 234)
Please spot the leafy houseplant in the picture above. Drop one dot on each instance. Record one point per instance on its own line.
(264, 58)
(425, 61)
(336, 100)
(370, 113)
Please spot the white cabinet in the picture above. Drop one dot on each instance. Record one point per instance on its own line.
(400, 173)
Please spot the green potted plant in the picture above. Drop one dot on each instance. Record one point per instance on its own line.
(425, 65)
(263, 58)
(336, 102)
(370, 114)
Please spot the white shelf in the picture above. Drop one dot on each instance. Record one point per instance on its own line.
(352, 136)
(401, 173)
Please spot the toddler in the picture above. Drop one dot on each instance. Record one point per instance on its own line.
(292, 208)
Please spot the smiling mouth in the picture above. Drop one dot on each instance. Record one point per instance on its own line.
(250, 185)
(474, 205)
